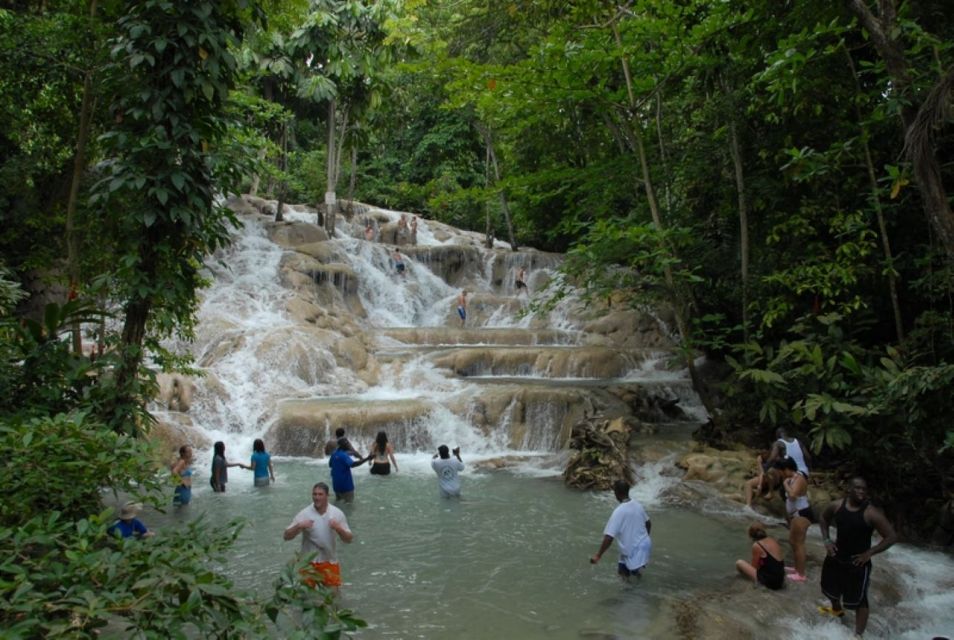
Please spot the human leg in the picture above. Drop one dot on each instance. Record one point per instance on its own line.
(750, 488)
(861, 619)
(745, 569)
(796, 535)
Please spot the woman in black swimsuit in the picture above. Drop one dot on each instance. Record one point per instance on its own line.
(382, 456)
(767, 566)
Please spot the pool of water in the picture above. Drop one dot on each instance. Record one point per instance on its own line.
(508, 560)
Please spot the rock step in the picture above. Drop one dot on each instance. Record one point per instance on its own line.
(445, 336)
(543, 361)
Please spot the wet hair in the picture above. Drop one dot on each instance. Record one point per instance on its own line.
(381, 442)
(757, 531)
(183, 450)
(219, 448)
(621, 488)
(443, 451)
(322, 486)
(258, 445)
(788, 464)
(339, 432)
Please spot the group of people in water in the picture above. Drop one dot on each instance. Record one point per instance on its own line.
(846, 570)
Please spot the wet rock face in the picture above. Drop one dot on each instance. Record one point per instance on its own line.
(600, 453)
(451, 263)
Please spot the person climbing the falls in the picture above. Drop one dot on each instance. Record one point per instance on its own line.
(520, 281)
(398, 259)
(630, 526)
(462, 306)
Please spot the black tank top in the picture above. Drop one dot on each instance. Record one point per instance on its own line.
(854, 534)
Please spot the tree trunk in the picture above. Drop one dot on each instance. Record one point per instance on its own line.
(331, 201)
(505, 208)
(353, 178)
(743, 225)
(879, 212)
(257, 178)
(79, 167)
(489, 236)
(283, 164)
(918, 123)
(679, 302)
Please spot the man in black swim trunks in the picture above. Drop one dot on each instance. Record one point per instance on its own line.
(847, 568)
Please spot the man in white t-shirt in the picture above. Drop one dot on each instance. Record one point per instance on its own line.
(629, 526)
(787, 446)
(320, 525)
(448, 470)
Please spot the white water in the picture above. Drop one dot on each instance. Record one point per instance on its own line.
(257, 356)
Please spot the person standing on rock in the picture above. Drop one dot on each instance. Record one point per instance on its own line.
(462, 306)
(630, 526)
(798, 512)
(320, 524)
(847, 568)
(787, 446)
(414, 230)
(448, 471)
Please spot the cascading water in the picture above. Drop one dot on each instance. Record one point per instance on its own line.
(510, 560)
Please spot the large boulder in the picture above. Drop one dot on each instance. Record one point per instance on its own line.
(600, 453)
(175, 391)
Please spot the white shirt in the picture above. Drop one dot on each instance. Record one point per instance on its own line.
(793, 450)
(321, 537)
(447, 470)
(627, 526)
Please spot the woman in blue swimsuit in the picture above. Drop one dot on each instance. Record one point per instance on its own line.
(182, 469)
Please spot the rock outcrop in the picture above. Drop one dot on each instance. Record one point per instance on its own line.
(600, 453)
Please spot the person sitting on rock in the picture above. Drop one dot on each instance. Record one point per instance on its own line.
(768, 565)
(767, 479)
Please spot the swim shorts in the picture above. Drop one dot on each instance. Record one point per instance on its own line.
(328, 573)
(841, 579)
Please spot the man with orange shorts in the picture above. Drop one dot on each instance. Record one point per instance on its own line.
(320, 524)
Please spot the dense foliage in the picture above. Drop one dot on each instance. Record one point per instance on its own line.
(777, 173)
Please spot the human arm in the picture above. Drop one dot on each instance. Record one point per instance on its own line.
(876, 518)
(238, 464)
(775, 452)
(271, 470)
(342, 530)
(297, 527)
(607, 541)
(391, 457)
(824, 521)
(456, 453)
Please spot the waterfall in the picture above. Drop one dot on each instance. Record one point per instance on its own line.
(256, 357)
